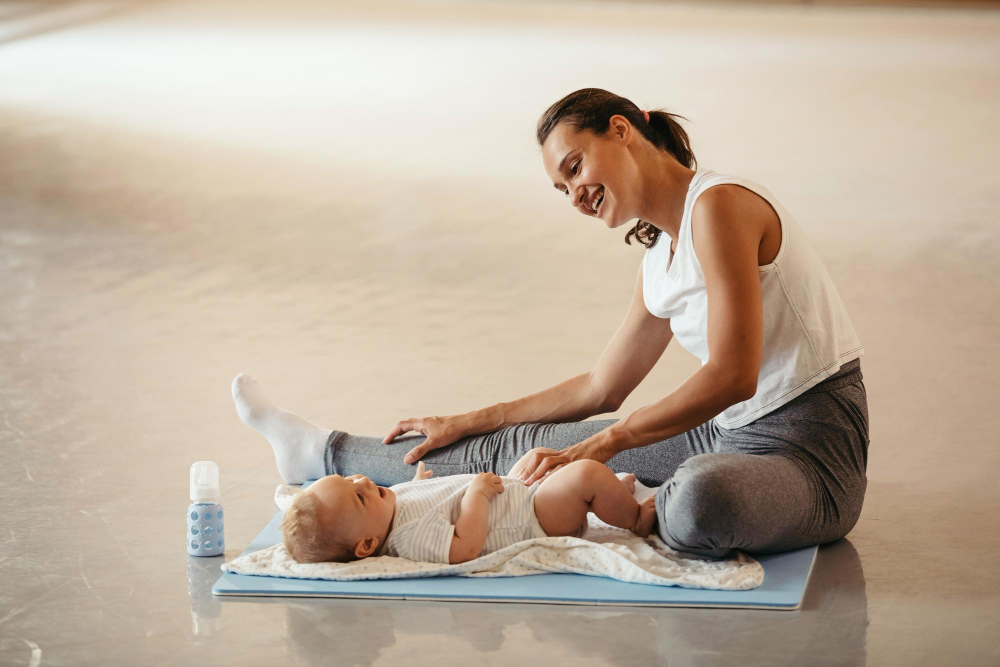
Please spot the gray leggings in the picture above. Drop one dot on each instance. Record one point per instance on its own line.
(793, 478)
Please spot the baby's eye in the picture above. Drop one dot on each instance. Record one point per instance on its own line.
(362, 499)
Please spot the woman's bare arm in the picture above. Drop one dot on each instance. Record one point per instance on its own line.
(632, 352)
(726, 243)
(627, 359)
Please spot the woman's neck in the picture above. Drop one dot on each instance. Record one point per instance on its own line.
(664, 192)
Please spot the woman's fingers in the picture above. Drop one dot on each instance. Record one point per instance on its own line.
(440, 432)
(527, 463)
(549, 462)
(552, 470)
(399, 429)
(531, 464)
(417, 452)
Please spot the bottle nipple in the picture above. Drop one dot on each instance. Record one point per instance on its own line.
(204, 482)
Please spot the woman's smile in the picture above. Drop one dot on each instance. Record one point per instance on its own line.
(593, 205)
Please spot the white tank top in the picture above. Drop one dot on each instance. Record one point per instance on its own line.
(807, 332)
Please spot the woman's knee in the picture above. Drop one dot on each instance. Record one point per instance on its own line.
(847, 515)
(699, 512)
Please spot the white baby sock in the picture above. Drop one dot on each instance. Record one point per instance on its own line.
(299, 447)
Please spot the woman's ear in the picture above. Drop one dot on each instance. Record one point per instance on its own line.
(621, 128)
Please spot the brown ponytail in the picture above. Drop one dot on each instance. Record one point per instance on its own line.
(592, 109)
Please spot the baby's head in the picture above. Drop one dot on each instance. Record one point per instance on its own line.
(338, 519)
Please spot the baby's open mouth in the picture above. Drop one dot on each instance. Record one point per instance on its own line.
(381, 492)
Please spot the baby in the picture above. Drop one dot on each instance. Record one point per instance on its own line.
(449, 519)
(456, 518)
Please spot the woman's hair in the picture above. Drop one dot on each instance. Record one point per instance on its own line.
(308, 538)
(592, 109)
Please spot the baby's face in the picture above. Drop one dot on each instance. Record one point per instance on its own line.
(362, 508)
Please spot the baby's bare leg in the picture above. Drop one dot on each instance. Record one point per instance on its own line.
(563, 500)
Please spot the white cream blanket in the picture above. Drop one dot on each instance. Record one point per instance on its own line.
(607, 551)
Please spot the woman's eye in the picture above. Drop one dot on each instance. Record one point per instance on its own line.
(575, 164)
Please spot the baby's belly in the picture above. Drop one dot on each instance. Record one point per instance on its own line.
(512, 515)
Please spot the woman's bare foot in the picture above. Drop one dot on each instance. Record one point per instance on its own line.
(647, 517)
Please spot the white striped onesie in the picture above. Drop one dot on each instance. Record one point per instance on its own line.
(427, 509)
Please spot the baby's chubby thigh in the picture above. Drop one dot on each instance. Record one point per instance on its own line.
(563, 499)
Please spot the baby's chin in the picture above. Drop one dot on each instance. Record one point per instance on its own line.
(390, 498)
(390, 495)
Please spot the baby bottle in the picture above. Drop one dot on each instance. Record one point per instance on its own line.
(204, 521)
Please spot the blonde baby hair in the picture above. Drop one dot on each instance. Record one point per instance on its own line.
(309, 535)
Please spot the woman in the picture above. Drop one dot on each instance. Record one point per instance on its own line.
(763, 449)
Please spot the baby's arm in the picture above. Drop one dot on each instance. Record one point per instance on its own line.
(474, 518)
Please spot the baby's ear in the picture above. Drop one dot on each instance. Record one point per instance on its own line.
(366, 547)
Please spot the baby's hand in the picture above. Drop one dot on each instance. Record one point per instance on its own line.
(487, 483)
(420, 472)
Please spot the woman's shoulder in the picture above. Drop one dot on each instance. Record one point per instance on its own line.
(719, 191)
(727, 201)
(738, 218)
(734, 200)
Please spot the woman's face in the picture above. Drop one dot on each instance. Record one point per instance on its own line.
(593, 170)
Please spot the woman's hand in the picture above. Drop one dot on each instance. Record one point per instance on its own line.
(541, 462)
(529, 461)
(440, 432)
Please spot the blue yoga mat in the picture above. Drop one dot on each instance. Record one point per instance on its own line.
(785, 577)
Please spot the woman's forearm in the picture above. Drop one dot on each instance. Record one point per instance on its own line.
(709, 391)
(573, 400)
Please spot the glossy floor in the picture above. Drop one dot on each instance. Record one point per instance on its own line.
(348, 204)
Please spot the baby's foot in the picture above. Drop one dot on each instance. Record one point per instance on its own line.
(299, 447)
(628, 479)
(647, 517)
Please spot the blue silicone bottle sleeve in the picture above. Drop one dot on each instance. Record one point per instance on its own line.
(205, 529)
